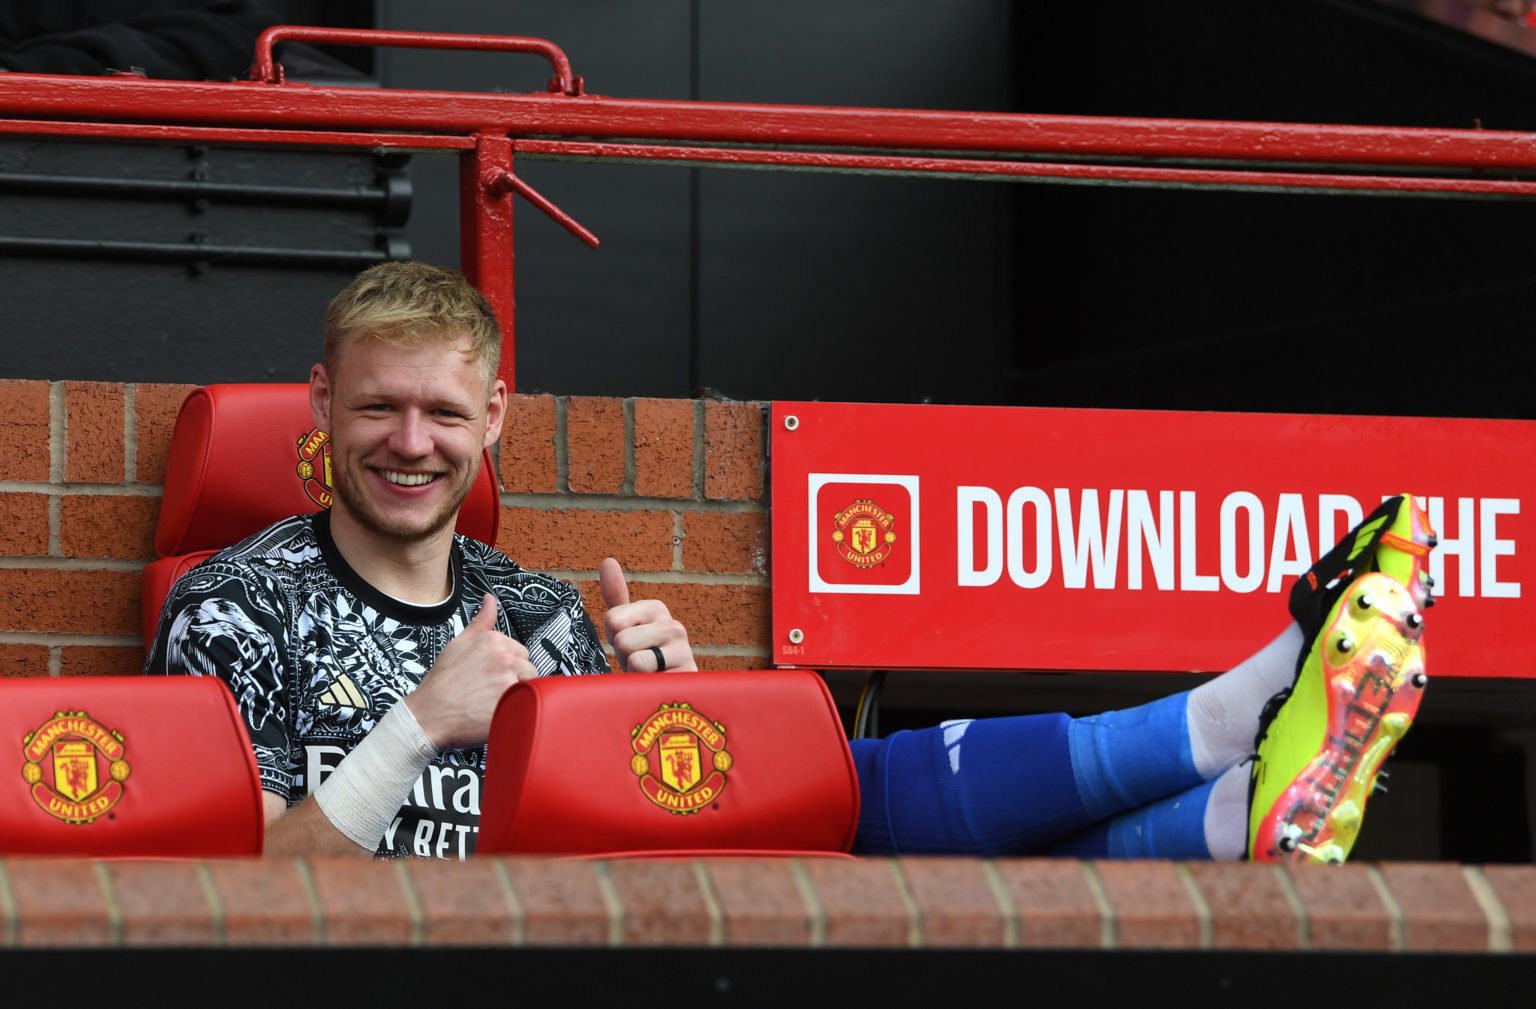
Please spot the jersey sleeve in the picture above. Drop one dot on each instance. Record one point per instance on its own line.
(228, 621)
(591, 651)
(561, 641)
(544, 613)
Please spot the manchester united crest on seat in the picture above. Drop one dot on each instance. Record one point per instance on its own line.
(680, 758)
(314, 467)
(74, 767)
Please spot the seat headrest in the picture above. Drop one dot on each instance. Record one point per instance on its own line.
(126, 766)
(669, 762)
(245, 456)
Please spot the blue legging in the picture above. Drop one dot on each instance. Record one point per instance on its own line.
(996, 786)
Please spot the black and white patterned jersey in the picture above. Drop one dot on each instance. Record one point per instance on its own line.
(315, 656)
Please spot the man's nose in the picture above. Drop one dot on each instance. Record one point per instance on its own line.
(411, 438)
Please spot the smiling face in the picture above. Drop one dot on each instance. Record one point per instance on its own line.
(407, 425)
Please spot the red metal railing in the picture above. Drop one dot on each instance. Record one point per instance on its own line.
(269, 71)
(490, 130)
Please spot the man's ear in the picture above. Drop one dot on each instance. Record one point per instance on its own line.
(495, 413)
(320, 397)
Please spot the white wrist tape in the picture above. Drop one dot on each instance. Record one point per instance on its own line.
(367, 789)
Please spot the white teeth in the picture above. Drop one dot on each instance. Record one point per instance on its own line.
(408, 479)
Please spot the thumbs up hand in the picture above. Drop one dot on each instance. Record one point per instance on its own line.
(458, 695)
(643, 634)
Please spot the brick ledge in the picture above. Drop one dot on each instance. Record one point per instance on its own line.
(867, 903)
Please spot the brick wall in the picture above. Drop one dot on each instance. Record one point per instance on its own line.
(908, 902)
(675, 489)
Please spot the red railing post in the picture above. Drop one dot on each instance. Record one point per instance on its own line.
(485, 234)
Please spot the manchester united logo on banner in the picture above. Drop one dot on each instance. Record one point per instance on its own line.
(863, 533)
(74, 767)
(680, 758)
(314, 467)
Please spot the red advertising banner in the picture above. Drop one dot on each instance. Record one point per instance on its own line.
(936, 537)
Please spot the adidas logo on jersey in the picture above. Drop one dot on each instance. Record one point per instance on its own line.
(343, 693)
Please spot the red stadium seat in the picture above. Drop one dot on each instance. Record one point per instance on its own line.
(242, 457)
(126, 767)
(736, 763)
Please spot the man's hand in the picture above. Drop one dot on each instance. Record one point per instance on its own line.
(636, 630)
(458, 696)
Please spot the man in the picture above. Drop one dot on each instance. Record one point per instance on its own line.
(367, 649)
(321, 624)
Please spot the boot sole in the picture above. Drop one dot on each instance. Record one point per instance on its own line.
(1372, 680)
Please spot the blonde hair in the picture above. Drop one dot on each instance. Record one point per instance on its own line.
(412, 304)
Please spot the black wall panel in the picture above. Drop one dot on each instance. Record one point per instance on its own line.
(754, 285)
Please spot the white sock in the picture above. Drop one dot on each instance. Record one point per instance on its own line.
(1224, 713)
(1226, 816)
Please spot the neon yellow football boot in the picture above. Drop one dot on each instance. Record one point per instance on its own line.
(1360, 679)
